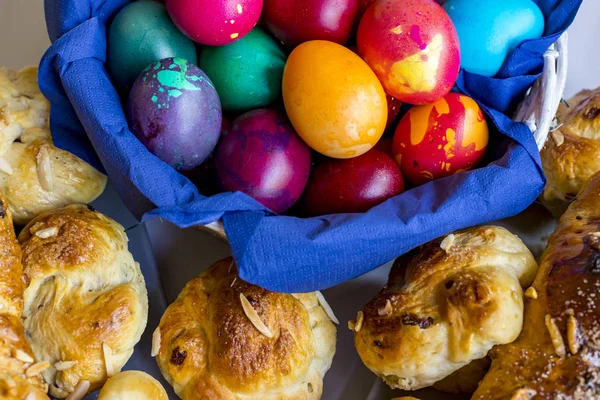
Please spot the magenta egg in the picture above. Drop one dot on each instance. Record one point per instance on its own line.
(215, 23)
(262, 156)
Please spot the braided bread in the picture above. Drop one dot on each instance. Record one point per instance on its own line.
(35, 176)
(446, 304)
(16, 356)
(557, 354)
(570, 156)
(86, 305)
(225, 339)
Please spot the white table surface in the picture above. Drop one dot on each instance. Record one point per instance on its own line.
(181, 254)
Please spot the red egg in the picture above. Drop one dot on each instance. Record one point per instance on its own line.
(385, 145)
(297, 21)
(352, 185)
(394, 106)
(363, 5)
(413, 48)
(440, 139)
(215, 23)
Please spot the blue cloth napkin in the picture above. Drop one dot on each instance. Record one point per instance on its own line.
(284, 253)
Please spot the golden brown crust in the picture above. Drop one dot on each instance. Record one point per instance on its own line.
(447, 299)
(132, 385)
(85, 292)
(570, 156)
(567, 284)
(209, 348)
(24, 141)
(15, 354)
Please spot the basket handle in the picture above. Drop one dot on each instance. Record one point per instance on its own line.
(538, 110)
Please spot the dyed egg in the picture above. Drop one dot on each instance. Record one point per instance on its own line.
(354, 185)
(262, 156)
(174, 110)
(394, 108)
(334, 100)
(440, 139)
(141, 34)
(247, 73)
(413, 48)
(215, 23)
(298, 21)
(499, 26)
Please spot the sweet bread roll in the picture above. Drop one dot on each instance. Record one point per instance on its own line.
(570, 156)
(35, 176)
(225, 339)
(557, 354)
(86, 305)
(132, 385)
(466, 379)
(16, 357)
(446, 304)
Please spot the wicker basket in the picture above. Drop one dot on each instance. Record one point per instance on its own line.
(537, 111)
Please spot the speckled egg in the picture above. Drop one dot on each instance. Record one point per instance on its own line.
(141, 34)
(297, 21)
(440, 139)
(334, 100)
(489, 30)
(247, 73)
(174, 110)
(262, 156)
(215, 23)
(413, 48)
(354, 185)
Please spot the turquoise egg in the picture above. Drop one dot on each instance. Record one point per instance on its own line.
(246, 73)
(141, 34)
(489, 30)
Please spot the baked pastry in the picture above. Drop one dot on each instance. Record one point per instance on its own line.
(132, 385)
(446, 304)
(556, 356)
(35, 176)
(86, 305)
(16, 357)
(466, 379)
(570, 156)
(225, 339)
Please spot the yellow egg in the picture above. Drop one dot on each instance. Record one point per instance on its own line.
(333, 99)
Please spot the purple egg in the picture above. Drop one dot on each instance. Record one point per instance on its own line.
(262, 156)
(174, 110)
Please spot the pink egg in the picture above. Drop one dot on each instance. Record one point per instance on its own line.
(215, 22)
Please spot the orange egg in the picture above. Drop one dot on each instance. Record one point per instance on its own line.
(333, 99)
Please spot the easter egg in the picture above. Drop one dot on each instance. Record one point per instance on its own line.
(262, 156)
(141, 34)
(247, 73)
(440, 139)
(174, 110)
(489, 30)
(394, 108)
(215, 23)
(413, 48)
(354, 185)
(334, 100)
(297, 21)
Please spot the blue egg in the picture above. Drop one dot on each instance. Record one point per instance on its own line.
(489, 30)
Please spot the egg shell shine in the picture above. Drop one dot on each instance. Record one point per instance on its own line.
(333, 99)
(174, 110)
(413, 48)
(262, 156)
(139, 35)
(440, 139)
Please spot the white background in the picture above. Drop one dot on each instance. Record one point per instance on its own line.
(181, 254)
